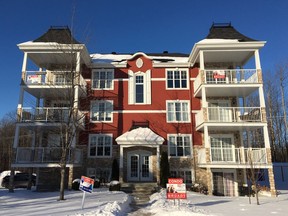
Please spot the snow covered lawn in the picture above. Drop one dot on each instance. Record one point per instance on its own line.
(103, 202)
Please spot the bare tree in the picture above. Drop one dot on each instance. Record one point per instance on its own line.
(7, 131)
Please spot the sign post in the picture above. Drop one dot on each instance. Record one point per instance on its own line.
(86, 185)
(176, 189)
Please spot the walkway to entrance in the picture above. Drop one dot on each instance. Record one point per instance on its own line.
(140, 193)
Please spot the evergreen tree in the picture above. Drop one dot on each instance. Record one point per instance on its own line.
(115, 170)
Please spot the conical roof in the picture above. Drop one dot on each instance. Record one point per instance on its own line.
(61, 35)
(226, 31)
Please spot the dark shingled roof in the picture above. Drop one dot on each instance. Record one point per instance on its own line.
(226, 31)
(61, 35)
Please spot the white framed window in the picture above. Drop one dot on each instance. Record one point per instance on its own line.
(180, 145)
(177, 79)
(222, 148)
(100, 145)
(139, 87)
(178, 111)
(102, 78)
(101, 110)
(185, 174)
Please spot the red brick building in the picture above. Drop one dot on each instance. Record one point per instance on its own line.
(195, 106)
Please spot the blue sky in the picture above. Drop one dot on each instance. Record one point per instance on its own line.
(129, 26)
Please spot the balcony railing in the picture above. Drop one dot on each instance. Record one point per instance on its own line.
(59, 78)
(229, 114)
(46, 155)
(246, 156)
(50, 115)
(226, 76)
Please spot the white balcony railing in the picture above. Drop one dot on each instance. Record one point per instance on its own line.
(50, 115)
(227, 76)
(246, 156)
(46, 155)
(57, 78)
(229, 114)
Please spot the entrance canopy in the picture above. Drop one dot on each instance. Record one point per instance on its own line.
(140, 136)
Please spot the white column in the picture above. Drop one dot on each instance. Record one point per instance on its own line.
(21, 98)
(77, 76)
(261, 96)
(266, 137)
(16, 138)
(201, 54)
(158, 164)
(204, 102)
(24, 66)
(257, 59)
(121, 164)
(206, 137)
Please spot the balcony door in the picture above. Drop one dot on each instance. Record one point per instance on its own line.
(222, 148)
(223, 183)
(220, 111)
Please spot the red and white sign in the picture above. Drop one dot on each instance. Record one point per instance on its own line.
(86, 184)
(33, 79)
(220, 74)
(176, 189)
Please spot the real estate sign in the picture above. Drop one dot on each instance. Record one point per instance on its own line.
(176, 189)
(86, 184)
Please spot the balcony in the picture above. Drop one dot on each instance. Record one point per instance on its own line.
(50, 115)
(233, 156)
(47, 84)
(229, 115)
(232, 79)
(44, 155)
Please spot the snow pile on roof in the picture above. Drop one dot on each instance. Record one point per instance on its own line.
(140, 136)
(122, 58)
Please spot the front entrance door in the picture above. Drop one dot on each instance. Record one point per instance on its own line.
(139, 166)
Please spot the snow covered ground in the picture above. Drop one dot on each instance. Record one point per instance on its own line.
(103, 202)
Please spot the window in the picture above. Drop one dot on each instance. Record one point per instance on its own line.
(177, 111)
(102, 79)
(186, 175)
(62, 79)
(139, 87)
(179, 145)
(101, 110)
(139, 84)
(100, 145)
(222, 149)
(177, 79)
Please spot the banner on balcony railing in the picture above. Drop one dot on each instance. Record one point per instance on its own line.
(219, 74)
(176, 189)
(32, 79)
